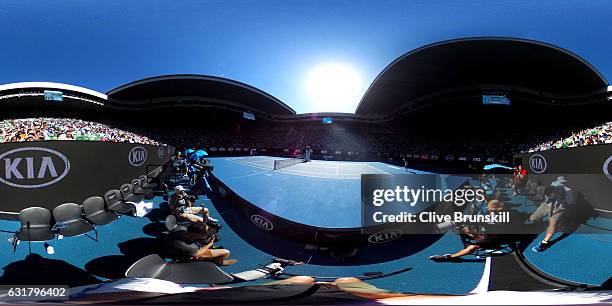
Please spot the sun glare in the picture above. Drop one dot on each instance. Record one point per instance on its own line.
(334, 88)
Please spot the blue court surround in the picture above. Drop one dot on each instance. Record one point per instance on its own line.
(78, 260)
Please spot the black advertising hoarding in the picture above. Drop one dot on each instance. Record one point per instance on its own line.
(587, 169)
(49, 173)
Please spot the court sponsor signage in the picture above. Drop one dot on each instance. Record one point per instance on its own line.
(537, 163)
(137, 156)
(33, 167)
(385, 236)
(607, 167)
(262, 222)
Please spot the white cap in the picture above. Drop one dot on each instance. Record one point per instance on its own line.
(179, 188)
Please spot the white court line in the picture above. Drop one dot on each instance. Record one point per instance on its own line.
(383, 171)
(337, 168)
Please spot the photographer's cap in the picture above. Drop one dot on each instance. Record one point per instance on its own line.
(179, 188)
(559, 181)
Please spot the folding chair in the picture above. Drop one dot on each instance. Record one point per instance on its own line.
(35, 226)
(69, 221)
(137, 187)
(115, 203)
(146, 182)
(128, 195)
(96, 212)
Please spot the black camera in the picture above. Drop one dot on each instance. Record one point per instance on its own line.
(192, 198)
(215, 226)
(211, 238)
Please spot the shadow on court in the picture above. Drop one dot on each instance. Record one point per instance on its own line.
(35, 269)
(114, 266)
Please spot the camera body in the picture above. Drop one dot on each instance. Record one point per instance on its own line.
(192, 198)
(214, 227)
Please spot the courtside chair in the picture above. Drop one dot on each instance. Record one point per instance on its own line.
(115, 203)
(128, 195)
(35, 226)
(137, 188)
(147, 181)
(96, 212)
(69, 221)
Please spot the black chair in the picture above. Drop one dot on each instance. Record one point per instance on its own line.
(69, 221)
(96, 212)
(35, 226)
(115, 203)
(145, 182)
(195, 272)
(128, 195)
(137, 187)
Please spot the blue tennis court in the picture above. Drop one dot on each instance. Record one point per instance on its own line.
(318, 193)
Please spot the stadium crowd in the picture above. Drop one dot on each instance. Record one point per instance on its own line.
(341, 142)
(37, 129)
(601, 134)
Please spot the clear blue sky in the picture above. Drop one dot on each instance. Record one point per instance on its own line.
(271, 45)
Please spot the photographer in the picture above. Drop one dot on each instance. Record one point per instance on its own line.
(557, 197)
(182, 207)
(195, 242)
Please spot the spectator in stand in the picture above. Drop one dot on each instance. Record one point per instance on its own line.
(601, 134)
(38, 129)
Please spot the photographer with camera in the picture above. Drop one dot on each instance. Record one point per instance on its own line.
(195, 242)
(182, 207)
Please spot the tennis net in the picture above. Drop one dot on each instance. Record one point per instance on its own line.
(284, 163)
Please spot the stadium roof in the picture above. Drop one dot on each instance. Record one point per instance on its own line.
(487, 63)
(198, 89)
(52, 86)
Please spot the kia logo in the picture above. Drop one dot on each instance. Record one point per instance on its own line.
(385, 236)
(606, 167)
(137, 156)
(33, 167)
(262, 222)
(537, 163)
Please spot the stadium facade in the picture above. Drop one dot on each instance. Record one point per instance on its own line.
(435, 92)
(522, 69)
